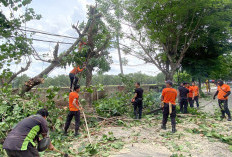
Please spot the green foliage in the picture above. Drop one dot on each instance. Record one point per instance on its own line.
(102, 148)
(223, 68)
(120, 104)
(19, 81)
(182, 77)
(200, 29)
(151, 101)
(230, 148)
(160, 78)
(207, 56)
(113, 12)
(14, 43)
(115, 105)
(95, 53)
(128, 82)
(13, 109)
(63, 80)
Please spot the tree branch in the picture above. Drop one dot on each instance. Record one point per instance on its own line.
(19, 72)
(55, 52)
(103, 45)
(76, 28)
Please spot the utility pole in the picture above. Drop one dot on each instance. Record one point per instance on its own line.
(118, 45)
(119, 54)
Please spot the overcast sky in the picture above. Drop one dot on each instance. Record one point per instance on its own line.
(57, 17)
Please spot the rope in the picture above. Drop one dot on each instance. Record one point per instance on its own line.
(207, 104)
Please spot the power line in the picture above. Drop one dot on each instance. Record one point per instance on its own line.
(132, 65)
(46, 33)
(49, 41)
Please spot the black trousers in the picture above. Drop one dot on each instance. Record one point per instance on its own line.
(191, 102)
(183, 105)
(76, 114)
(223, 104)
(30, 152)
(196, 98)
(172, 115)
(138, 104)
(73, 80)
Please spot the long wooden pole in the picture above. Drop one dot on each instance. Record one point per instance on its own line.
(86, 124)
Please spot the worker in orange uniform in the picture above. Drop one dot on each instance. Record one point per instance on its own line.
(74, 110)
(168, 98)
(223, 91)
(81, 44)
(196, 94)
(191, 96)
(72, 75)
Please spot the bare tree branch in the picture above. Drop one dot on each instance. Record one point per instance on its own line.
(19, 72)
(76, 28)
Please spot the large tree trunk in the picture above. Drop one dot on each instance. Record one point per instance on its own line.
(199, 84)
(169, 76)
(89, 76)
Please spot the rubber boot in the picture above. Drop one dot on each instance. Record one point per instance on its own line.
(223, 116)
(229, 118)
(163, 127)
(65, 133)
(76, 134)
(136, 115)
(173, 128)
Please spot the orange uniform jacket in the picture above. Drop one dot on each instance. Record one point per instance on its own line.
(72, 96)
(76, 70)
(169, 95)
(195, 90)
(191, 90)
(222, 90)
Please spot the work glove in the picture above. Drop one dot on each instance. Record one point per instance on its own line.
(214, 97)
(132, 100)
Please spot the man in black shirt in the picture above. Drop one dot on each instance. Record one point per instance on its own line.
(183, 98)
(138, 100)
(181, 85)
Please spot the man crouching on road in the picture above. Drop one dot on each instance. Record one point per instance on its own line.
(20, 141)
(169, 96)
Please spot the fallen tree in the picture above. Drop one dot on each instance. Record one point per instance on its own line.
(59, 60)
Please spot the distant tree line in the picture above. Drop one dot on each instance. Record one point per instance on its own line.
(63, 80)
